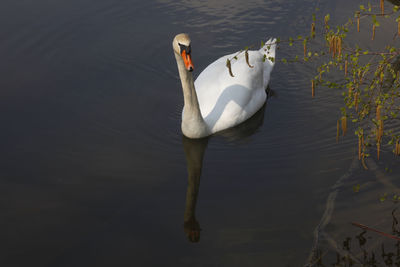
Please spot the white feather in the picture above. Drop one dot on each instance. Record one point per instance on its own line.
(227, 101)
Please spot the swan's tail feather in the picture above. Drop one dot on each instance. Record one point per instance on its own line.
(269, 50)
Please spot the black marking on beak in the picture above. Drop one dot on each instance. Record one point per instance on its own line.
(186, 48)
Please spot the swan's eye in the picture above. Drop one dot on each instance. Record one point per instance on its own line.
(185, 48)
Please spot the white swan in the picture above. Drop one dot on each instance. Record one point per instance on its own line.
(217, 101)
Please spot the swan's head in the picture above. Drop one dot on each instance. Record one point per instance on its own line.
(181, 46)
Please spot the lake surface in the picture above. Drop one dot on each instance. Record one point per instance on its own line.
(95, 171)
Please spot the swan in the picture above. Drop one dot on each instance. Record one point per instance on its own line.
(217, 101)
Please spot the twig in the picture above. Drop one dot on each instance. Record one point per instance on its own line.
(376, 231)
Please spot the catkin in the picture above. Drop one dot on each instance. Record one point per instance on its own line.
(228, 65)
(326, 19)
(246, 53)
(344, 125)
(313, 30)
(398, 28)
(373, 32)
(382, 7)
(312, 88)
(334, 45)
(379, 131)
(350, 90)
(356, 101)
(363, 161)
(345, 67)
(337, 131)
(378, 112)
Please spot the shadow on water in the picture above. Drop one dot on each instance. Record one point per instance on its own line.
(194, 153)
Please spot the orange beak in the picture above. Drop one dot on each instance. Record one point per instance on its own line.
(188, 61)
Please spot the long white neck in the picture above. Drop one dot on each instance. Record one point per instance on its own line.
(193, 125)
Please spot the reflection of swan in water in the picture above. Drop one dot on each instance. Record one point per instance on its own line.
(194, 152)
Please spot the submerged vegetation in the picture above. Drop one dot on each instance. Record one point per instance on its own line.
(369, 79)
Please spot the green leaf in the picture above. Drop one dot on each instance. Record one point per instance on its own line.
(356, 188)
(383, 198)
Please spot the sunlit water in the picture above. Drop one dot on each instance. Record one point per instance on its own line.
(95, 171)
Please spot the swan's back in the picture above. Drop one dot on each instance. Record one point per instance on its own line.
(226, 101)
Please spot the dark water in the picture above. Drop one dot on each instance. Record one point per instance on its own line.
(95, 171)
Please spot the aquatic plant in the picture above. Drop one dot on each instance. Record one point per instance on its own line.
(369, 80)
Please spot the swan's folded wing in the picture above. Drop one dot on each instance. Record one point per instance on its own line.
(215, 86)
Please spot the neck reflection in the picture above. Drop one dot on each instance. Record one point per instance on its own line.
(194, 153)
